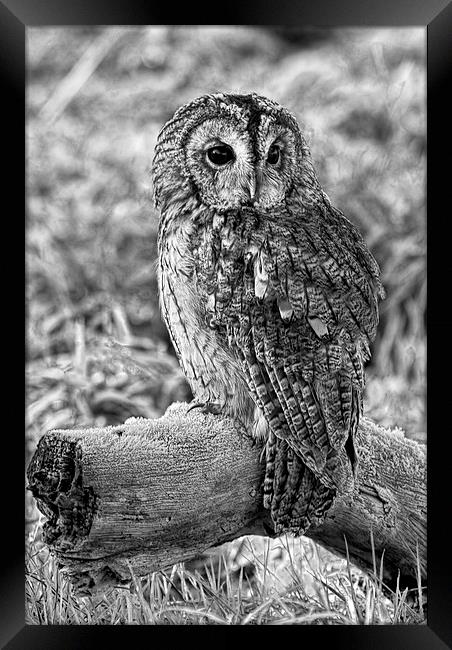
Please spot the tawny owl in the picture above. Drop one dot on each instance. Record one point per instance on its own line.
(269, 293)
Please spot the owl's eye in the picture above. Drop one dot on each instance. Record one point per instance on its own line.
(220, 154)
(273, 154)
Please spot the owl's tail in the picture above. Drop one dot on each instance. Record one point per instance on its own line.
(297, 499)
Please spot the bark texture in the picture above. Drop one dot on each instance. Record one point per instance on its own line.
(150, 493)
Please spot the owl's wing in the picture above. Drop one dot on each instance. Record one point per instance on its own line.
(304, 341)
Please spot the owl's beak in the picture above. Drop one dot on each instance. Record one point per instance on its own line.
(252, 187)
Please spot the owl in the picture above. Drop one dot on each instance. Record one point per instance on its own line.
(269, 293)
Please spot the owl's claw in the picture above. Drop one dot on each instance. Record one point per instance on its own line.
(206, 407)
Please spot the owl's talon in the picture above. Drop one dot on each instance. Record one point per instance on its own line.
(212, 407)
(206, 407)
(195, 405)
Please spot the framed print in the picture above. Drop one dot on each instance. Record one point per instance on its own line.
(226, 320)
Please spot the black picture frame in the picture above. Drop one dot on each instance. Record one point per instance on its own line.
(436, 17)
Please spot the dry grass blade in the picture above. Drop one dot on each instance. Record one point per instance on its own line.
(311, 618)
(370, 605)
(199, 614)
(79, 74)
(258, 613)
(352, 603)
(419, 581)
(146, 610)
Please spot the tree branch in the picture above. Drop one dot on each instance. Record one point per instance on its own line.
(151, 493)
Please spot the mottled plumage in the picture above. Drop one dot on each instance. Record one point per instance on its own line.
(268, 291)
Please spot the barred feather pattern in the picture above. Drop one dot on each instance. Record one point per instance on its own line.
(271, 312)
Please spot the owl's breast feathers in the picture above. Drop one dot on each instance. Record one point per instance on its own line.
(294, 299)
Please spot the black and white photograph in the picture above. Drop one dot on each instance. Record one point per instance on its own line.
(226, 325)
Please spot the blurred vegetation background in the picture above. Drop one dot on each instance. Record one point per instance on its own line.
(97, 350)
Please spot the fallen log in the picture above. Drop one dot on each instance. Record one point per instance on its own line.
(150, 493)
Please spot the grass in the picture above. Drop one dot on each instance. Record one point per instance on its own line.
(290, 584)
(97, 350)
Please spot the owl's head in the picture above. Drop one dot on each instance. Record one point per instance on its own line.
(233, 151)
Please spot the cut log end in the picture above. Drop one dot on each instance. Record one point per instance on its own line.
(56, 482)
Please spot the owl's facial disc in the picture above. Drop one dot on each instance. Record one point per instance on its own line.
(233, 164)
